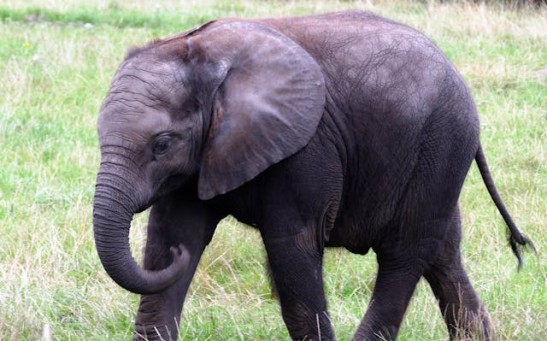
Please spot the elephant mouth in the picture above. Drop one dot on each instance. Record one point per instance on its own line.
(177, 182)
(169, 185)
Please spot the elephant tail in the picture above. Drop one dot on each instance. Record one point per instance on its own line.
(517, 240)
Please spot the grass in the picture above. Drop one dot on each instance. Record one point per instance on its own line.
(54, 72)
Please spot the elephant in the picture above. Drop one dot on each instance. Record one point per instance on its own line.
(344, 129)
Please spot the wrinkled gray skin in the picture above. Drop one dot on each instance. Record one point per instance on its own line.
(341, 130)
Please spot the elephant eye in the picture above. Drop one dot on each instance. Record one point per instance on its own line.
(161, 145)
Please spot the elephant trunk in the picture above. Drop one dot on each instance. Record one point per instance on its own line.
(113, 210)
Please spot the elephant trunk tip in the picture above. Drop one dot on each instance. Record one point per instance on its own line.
(158, 281)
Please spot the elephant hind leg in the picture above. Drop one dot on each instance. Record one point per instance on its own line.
(463, 312)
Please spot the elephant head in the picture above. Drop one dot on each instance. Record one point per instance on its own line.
(215, 106)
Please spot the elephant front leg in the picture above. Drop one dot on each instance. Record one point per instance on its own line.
(465, 315)
(296, 265)
(173, 220)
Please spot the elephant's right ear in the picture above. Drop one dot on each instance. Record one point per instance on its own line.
(269, 96)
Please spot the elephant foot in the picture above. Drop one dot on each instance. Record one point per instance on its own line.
(153, 332)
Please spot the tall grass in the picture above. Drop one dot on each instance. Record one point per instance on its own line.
(56, 61)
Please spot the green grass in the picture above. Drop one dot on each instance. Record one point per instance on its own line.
(54, 72)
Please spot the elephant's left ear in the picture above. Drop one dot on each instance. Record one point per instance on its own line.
(268, 102)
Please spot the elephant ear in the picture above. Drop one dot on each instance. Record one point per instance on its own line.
(268, 100)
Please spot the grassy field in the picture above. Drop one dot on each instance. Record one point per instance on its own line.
(56, 61)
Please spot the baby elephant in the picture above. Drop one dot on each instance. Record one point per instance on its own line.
(336, 130)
